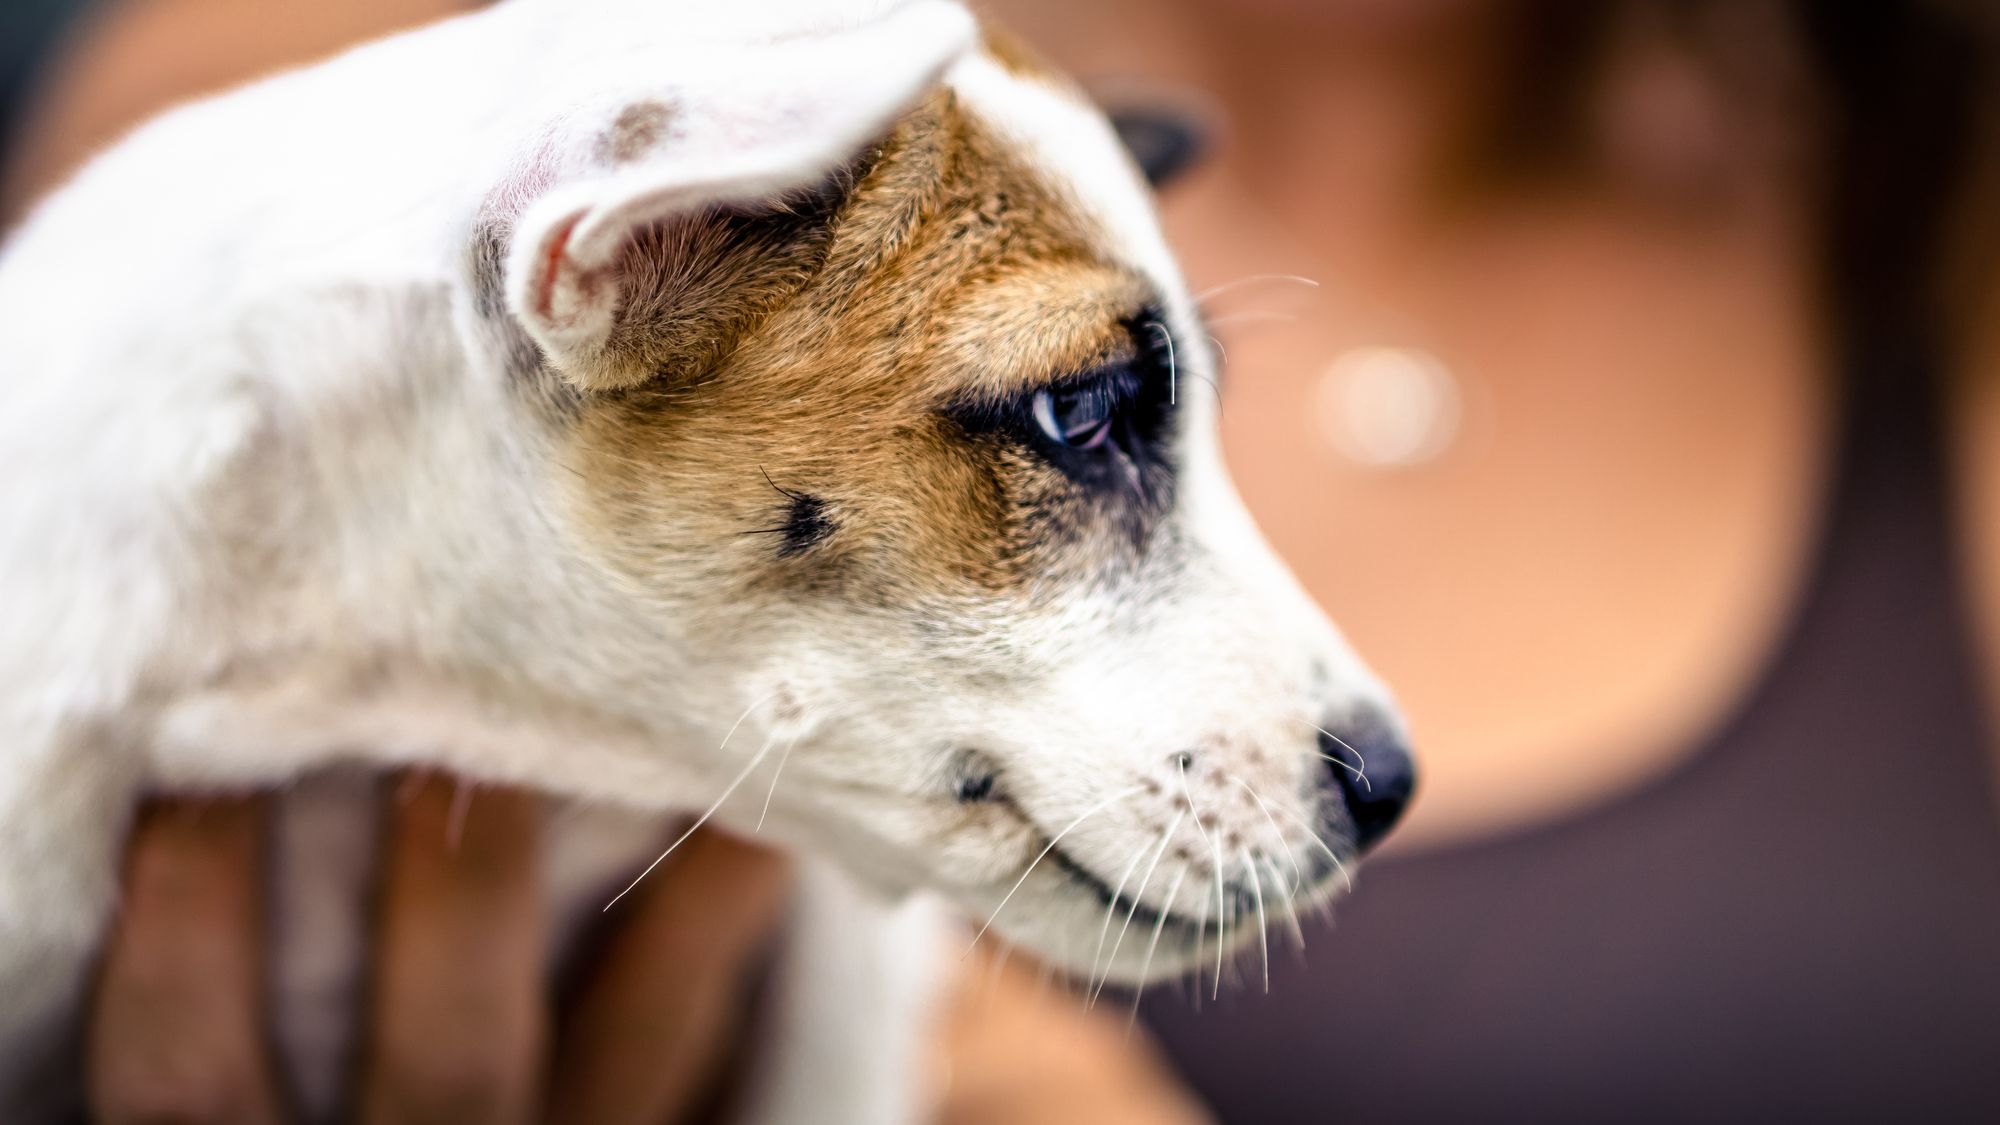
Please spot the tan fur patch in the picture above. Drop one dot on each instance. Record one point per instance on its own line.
(826, 357)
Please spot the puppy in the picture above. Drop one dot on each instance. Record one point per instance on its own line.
(782, 410)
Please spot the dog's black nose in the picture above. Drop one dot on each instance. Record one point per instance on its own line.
(1375, 772)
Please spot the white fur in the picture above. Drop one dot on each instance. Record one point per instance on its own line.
(266, 506)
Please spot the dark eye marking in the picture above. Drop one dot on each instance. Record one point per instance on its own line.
(807, 525)
(976, 779)
(807, 522)
(1109, 428)
(975, 789)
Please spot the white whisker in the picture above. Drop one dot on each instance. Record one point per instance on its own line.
(1111, 910)
(731, 732)
(1221, 947)
(1263, 923)
(775, 775)
(1056, 839)
(1112, 957)
(756, 760)
(1358, 775)
(1221, 907)
(1159, 926)
(1285, 847)
(1361, 774)
(1173, 375)
(1298, 873)
(1292, 918)
(1321, 845)
(1200, 945)
(1220, 410)
(1254, 279)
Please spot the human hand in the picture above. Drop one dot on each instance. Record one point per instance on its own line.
(460, 1024)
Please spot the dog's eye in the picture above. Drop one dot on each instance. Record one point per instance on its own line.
(1106, 427)
(1076, 417)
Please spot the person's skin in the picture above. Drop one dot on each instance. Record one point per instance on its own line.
(175, 1026)
(458, 1024)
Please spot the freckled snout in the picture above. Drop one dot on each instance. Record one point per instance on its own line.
(1374, 777)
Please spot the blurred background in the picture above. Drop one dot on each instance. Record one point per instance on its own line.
(1624, 377)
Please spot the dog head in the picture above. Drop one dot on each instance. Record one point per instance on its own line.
(869, 377)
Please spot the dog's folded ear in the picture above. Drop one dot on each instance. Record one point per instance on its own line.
(663, 217)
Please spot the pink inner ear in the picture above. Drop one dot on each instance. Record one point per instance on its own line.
(552, 265)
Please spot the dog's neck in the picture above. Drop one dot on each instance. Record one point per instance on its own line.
(396, 554)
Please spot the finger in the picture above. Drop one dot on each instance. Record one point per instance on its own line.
(176, 1029)
(655, 1025)
(458, 1010)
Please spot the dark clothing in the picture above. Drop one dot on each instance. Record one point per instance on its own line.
(1801, 923)
(29, 33)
